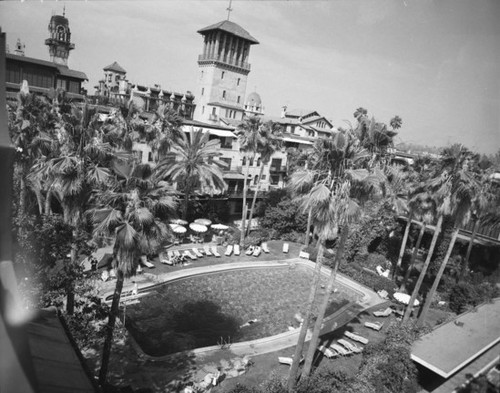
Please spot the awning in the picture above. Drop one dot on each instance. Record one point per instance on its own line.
(234, 176)
(223, 133)
(297, 141)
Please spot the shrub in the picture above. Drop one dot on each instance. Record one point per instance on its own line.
(284, 218)
(467, 294)
(373, 281)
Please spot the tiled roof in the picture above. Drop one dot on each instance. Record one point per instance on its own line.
(197, 123)
(231, 122)
(115, 67)
(63, 70)
(300, 112)
(230, 27)
(225, 105)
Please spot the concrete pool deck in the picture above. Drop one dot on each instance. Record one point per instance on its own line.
(368, 299)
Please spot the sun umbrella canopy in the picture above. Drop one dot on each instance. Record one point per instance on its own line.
(178, 221)
(220, 227)
(198, 227)
(404, 298)
(178, 228)
(203, 221)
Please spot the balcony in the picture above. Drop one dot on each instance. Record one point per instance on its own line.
(278, 169)
(228, 61)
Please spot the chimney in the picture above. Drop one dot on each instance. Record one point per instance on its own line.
(283, 112)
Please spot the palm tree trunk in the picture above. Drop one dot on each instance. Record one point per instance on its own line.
(430, 295)
(465, 266)
(414, 294)
(255, 196)
(48, 199)
(413, 257)
(324, 305)
(308, 229)
(39, 200)
(244, 209)
(106, 352)
(294, 369)
(22, 196)
(186, 205)
(70, 288)
(403, 245)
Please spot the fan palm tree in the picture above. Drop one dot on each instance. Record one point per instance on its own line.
(249, 138)
(270, 143)
(396, 122)
(132, 211)
(193, 163)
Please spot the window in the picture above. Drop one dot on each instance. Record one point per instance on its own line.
(238, 100)
(13, 74)
(251, 161)
(292, 129)
(234, 115)
(263, 177)
(258, 161)
(275, 180)
(244, 161)
(202, 110)
(227, 160)
(201, 74)
(38, 77)
(117, 78)
(61, 84)
(202, 90)
(214, 111)
(222, 75)
(224, 94)
(255, 180)
(150, 156)
(238, 82)
(74, 87)
(227, 113)
(109, 78)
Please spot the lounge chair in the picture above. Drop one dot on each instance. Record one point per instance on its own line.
(250, 250)
(285, 360)
(328, 352)
(215, 252)
(340, 349)
(112, 273)
(229, 250)
(236, 249)
(208, 253)
(265, 248)
(177, 253)
(139, 269)
(286, 246)
(145, 262)
(304, 255)
(188, 254)
(350, 346)
(170, 255)
(356, 337)
(197, 252)
(165, 259)
(105, 275)
(374, 325)
(383, 313)
(382, 272)
(257, 251)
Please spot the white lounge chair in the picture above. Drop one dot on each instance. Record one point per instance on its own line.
(165, 259)
(177, 253)
(236, 249)
(328, 352)
(250, 250)
(145, 262)
(197, 252)
(286, 246)
(382, 272)
(105, 275)
(257, 251)
(304, 255)
(215, 252)
(374, 325)
(285, 360)
(265, 248)
(383, 313)
(340, 349)
(350, 346)
(356, 337)
(229, 250)
(188, 254)
(208, 253)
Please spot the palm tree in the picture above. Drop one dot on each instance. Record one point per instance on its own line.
(193, 163)
(270, 132)
(131, 211)
(463, 188)
(396, 122)
(249, 137)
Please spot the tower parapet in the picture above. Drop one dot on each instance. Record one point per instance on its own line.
(59, 42)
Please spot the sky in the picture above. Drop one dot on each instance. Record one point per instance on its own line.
(435, 63)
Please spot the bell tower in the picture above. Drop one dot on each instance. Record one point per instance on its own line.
(59, 42)
(223, 72)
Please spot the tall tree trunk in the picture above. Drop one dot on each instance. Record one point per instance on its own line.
(22, 196)
(113, 313)
(403, 245)
(48, 199)
(244, 209)
(430, 295)
(294, 369)
(308, 229)
(413, 257)
(39, 200)
(70, 288)
(465, 266)
(186, 205)
(255, 196)
(324, 305)
(414, 294)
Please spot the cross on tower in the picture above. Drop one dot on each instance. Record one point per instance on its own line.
(229, 9)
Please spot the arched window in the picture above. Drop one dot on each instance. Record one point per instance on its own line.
(255, 180)
(244, 161)
(258, 161)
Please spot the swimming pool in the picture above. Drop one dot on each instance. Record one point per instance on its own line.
(212, 308)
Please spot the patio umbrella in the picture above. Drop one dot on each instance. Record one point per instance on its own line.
(404, 298)
(203, 221)
(220, 227)
(178, 228)
(178, 221)
(198, 227)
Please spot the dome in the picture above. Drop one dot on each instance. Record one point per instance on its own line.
(59, 20)
(253, 99)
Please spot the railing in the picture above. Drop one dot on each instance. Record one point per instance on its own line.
(277, 168)
(482, 231)
(228, 60)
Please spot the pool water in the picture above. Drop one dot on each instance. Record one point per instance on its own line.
(214, 308)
